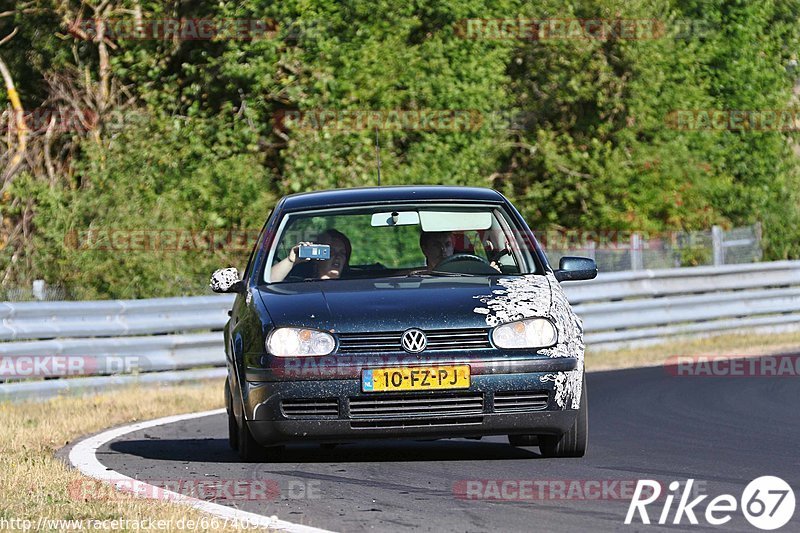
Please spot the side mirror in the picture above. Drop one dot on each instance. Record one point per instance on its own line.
(575, 269)
(226, 280)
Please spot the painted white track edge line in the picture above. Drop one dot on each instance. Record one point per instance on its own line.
(83, 456)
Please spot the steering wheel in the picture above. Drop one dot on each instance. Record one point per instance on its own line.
(471, 258)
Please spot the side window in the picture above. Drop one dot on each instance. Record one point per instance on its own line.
(506, 249)
(256, 244)
(252, 254)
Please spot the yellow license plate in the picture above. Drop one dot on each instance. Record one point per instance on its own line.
(415, 378)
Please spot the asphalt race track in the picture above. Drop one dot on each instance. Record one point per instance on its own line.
(644, 424)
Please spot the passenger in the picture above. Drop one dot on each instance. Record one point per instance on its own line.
(327, 269)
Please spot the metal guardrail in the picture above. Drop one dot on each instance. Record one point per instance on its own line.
(112, 318)
(41, 390)
(652, 305)
(169, 334)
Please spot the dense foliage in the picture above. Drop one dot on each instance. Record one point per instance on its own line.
(199, 135)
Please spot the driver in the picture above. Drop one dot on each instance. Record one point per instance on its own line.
(437, 246)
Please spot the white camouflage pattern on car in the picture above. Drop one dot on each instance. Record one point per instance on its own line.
(522, 297)
(223, 279)
(568, 385)
(542, 296)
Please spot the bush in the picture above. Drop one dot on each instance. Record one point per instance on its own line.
(179, 180)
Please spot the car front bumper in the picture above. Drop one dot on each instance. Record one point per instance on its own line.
(334, 410)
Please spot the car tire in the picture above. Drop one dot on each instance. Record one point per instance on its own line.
(233, 432)
(250, 451)
(233, 427)
(573, 443)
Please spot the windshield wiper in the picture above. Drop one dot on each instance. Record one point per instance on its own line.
(439, 273)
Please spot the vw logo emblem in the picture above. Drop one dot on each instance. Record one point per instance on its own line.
(414, 341)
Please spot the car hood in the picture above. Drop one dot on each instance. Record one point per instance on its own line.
(396, 304)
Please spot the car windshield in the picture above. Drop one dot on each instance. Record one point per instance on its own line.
(391, 241)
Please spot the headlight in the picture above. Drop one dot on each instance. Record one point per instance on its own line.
(529, 333)
(292, 342)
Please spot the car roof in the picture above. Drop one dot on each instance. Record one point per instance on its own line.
(377, 195)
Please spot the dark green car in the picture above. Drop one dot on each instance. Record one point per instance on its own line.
(402, 312)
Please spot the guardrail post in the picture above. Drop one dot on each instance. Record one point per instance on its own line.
(38, 289)
(717, 245)
(757, 237)
(591, 249)
(637, 261)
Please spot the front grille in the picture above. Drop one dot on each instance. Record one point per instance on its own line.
(431, 405)
(438, 339)
(400, 423)
(520, 401)
(312, 407)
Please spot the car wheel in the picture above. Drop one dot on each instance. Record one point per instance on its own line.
(233, 427)
(523, 440)
(572, 443)
(250, 450)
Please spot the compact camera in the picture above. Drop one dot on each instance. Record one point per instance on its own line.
(315, 251)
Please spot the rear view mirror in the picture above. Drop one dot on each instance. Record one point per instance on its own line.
(395, 218)
(226, 280)
(575, 269)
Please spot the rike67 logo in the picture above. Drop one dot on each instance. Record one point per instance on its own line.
(767, 503)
